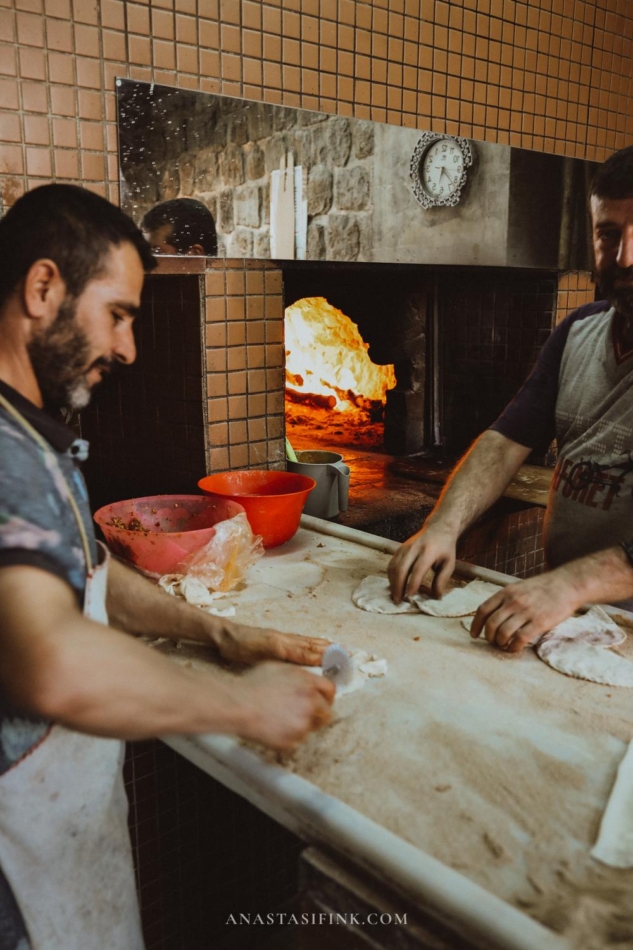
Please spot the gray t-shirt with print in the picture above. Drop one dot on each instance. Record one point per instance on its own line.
(591, 499)
(581, 392)
(37, 529)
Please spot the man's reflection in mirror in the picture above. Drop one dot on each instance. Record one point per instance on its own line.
(181, 226)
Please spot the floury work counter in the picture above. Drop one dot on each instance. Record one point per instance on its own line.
(466, 784)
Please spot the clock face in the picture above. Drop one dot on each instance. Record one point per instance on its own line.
(442, 168)
(439, 168)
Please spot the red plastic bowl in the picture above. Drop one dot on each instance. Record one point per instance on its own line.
(167, 528)
(273, 501)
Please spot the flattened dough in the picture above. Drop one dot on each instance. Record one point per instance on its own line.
(595, 627)
(373, 594)
(580, 647)
(586, 662)
(460, 602)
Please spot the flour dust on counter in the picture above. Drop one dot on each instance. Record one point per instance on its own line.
(488, 762)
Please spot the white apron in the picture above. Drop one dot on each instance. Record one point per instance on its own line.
(64, 843)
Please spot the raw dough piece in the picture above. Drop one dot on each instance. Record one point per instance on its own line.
(615, 840)
(372, 594)
(194, 592)
(374, 667)
(595, 627)
(578, 647)
(365, 665)
(460, 602)
(576, 657)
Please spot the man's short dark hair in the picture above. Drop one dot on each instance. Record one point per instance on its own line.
(191, 223)
(614, 178)
(71, 226)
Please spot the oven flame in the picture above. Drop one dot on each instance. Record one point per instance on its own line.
(327, 364)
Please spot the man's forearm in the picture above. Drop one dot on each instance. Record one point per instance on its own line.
(138, 606)
(142, 608)
(479, 480)
(603, 577)
(57, 664)
(132, 692)
(96, 679)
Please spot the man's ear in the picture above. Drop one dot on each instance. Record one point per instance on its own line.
(43, 290)
(196, 250)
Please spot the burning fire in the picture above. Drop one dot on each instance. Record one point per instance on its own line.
(327, 363)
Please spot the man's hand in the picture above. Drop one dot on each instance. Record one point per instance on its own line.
(522, 612)
(240, 644)
(284, 705)
(430, 548)
(478, 481)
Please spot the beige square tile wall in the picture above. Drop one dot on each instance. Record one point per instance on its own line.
(575, 288)
(548, 74)
(552, 75)
(244, 365)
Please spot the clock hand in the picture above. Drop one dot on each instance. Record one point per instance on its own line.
(443, 172)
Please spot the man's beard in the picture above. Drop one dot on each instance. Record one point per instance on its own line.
(619, 297)
(59, 356)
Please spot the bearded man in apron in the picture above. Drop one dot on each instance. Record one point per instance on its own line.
(72, 686)
(580, 392)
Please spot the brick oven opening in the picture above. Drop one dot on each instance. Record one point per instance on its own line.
(356, 342)
(335, 394)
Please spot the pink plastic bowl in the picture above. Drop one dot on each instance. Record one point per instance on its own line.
(167, 528)
(273, 501)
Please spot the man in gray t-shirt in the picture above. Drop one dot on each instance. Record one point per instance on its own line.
(580, 392)
(36, 529)
(73, 682)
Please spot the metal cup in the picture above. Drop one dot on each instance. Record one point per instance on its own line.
(331, 475)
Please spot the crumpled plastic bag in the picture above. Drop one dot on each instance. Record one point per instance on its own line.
(216, 568)
(223, 562)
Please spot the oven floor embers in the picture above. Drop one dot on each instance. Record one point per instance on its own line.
(315, 427)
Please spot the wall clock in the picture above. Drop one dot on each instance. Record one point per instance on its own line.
(439, 169)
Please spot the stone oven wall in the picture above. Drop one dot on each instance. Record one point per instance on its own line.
(230, 175)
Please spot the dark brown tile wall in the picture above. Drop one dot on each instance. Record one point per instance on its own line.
(146, 425)
(508, 539)
(203, 853)
(493, 326)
